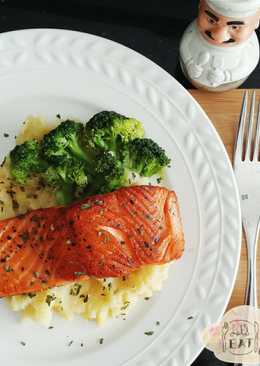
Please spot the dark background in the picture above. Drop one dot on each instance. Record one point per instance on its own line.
(153, 28)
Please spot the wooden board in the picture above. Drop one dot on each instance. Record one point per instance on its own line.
(223, 110)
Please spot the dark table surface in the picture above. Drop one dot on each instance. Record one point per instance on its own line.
(153, 28)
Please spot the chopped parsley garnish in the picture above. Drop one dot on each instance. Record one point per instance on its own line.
(51, 327)
(85, 206)
(147, 298)
(24, 236)
(9, 269)
(98, 202)
(79, 273)
(49, 299)
(23, 343)
(101, 340)
(157, 323)
(6, 134)
(126, 304)
(3, 162)
(149, 333)
(190, 317)
(70, 343)
(75, 290)
(84, 297)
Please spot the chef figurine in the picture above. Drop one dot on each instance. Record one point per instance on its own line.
(220, 49)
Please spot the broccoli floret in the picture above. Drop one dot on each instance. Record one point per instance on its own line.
(109, 173)
(62, 142)
(26, 160)
(65, 178)
(146, 157)
(56, 178)
(77, 173)
(52, 176)
(108, 130)
(77, 161)
(65, 194)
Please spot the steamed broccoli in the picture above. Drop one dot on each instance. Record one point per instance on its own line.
(25, 160)
(65, 178)
(63, 142)
(109, 173)
(109, 130)
(146, 157)
(142, 156)
(77, 160)
(77, 173)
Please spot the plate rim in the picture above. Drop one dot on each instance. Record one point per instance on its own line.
(191, 109)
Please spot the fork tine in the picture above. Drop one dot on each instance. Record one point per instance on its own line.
(249, 141)
(257, 138)
(240, 131)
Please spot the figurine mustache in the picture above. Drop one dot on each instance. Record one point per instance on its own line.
(209, 34)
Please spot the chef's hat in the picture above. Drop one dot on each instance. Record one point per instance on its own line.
(234, 8)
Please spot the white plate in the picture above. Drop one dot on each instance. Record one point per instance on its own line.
(45, 72)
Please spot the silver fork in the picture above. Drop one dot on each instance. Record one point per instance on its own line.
(247, 170)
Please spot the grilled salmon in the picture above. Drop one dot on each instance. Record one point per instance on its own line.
(107, 235)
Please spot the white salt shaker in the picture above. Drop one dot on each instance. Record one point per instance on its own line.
(220, 49)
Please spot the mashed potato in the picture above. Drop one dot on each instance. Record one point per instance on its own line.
(94, 299)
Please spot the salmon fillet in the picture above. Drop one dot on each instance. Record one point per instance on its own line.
(109, 235)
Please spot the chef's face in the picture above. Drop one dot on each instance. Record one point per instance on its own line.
(223, 31)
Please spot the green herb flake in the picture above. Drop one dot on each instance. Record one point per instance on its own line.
(84, 298)
(101, 340)
(149, 333)
(79, 273)
(31, 295)
(49, 299)
(6, 134)
(125, 306)
(75, 290)
(70, 343)
(157, 323)
(9, 269)
(190, 317)
(23, 343)
(3, 162)
(147, 298)
(98, 202)
(24, 236)
(51, 327)
(101, 232)
(86, 206)
(36, 274)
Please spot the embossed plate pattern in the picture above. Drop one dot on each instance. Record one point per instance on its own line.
(45, 72)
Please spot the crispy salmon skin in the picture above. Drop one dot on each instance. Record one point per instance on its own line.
(109, 235)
